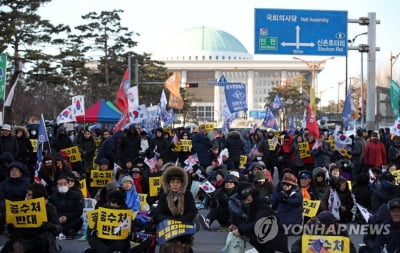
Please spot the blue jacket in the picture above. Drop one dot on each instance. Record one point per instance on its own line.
(201, 145)
(132, 199)
(289, 207)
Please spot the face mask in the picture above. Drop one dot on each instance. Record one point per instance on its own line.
(62, 189)
(247, 205)
(345, 165)
(185, 137)
(259, 158)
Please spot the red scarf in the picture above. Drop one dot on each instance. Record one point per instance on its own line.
(137, 183)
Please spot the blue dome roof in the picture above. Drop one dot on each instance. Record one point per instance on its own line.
(206, 43)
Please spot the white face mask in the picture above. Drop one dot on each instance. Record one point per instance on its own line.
(62, 189)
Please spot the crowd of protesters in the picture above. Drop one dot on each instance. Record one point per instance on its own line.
(244, 191)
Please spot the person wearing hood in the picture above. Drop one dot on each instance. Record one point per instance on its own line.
(247, 142)
(346, 200)
(253, 209)
(25, 149)
(69, 205)
(319, 181)
(202, 146)
(132, 197)
(357, 154)
(14, 188)
(386, 192)
(285, 154)
(131, 143)
(263, 185)
(159, 144)
(375, 152)
(322, 152)
(8, 142)
(176, 202)
(235, 147)
(62, 140)
(110, 149)
(219, 209)
(288, 201)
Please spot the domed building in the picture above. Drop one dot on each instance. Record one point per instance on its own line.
(203, 54)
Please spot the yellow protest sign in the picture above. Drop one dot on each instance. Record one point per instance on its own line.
(310, 207)
(100, 177)
(82, 183)
(34, 143)
(167, 130)
(304, 149)
(349, 184)
(97, 141)
(92, 218)
(345, 152)
(73, 153)
(243, 162)
(142, 199)
(271, 144)
(185, 145)
(332, 244)
(29, 213)
(396, 173)
(154, 186)
(332, 143)
(113, 224)
(208, 126)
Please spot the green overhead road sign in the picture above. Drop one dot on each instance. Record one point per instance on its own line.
(3, 71)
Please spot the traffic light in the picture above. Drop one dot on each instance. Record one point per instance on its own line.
(191, 85)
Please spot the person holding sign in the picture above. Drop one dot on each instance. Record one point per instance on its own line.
(117, 201)
(176, 202)
(326, 226)
(39, 239)
(14, 188)
(69, 205)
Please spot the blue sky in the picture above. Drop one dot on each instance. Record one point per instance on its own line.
(158, 20)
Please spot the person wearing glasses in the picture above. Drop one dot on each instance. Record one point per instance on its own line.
(288, 201)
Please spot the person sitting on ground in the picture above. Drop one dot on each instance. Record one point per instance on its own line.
(176, 202)
(116, 200)
(254, 208)
(288, 202)
(41, 239)
(69, 205)
(219, 209)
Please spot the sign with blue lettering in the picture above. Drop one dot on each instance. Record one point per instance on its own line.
(235, 95)
(300, 32)
(258, 114)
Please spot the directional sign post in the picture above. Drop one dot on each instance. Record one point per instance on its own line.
(300, 32)
(3, 71)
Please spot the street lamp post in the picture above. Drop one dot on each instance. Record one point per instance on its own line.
(313, 68)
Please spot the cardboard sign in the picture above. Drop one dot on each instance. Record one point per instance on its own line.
(83, 187)
(208, 126)
(345, 152)
(243, 162)
(331, 244)
(310, 207)
(332, 143)
(169, 229)
(97, 141)
(396, 173)
(304, 149)
(73, 153)
(154, 186)
(27, 213)
(92, 218)
(100, 178)
(34, 143)
(271, 144)
(113, 224)
(185, 145)
(143, 201)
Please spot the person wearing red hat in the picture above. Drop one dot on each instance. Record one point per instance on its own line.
(288, 201)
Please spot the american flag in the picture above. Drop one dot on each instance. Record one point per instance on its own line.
(317, 246)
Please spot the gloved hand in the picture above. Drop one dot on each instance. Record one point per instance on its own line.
(283, 196)
(47, 226)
